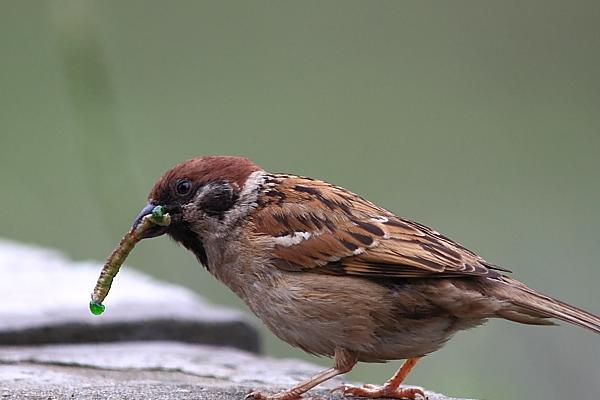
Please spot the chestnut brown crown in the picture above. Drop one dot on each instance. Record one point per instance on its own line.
(200, 171)
(207, 187)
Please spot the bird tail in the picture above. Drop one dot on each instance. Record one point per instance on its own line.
(531, 307)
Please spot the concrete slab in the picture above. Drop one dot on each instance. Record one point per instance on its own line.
(148, 370)
(44, 299)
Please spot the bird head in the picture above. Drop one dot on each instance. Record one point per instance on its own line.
(204, 196)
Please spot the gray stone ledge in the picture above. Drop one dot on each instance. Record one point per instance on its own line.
(160, 336)
(148, 370)
(45, 300)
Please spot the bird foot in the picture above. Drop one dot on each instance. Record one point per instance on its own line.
(376, 392)
(285, 395)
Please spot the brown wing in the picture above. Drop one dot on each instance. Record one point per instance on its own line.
(319, 227)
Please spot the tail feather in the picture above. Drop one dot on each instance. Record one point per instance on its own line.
(532, 307)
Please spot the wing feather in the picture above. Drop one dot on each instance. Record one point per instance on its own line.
(322, 228)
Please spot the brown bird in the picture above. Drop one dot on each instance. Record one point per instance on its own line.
(336, 275)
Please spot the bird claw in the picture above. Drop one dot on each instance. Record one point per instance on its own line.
(369, 386)
(376, 392)
(257, 395)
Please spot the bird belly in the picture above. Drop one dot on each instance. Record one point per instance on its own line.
(378, 322)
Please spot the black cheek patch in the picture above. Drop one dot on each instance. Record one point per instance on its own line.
(220, 198)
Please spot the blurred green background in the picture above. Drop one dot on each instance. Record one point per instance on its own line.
(479, 118)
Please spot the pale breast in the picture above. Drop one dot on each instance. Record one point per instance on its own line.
(379, 322)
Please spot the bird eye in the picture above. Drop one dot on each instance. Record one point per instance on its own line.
(183, 187)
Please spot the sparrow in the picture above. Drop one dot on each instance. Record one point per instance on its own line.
(336, 275)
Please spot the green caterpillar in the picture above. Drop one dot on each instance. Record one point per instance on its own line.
(119, 254)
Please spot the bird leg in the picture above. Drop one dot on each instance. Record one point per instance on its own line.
(344, 361)
(391, 389)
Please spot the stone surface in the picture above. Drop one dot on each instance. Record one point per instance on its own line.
(161, 338)
(45, 298)
(147, 370)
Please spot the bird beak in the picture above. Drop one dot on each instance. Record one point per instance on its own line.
(154, 230)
